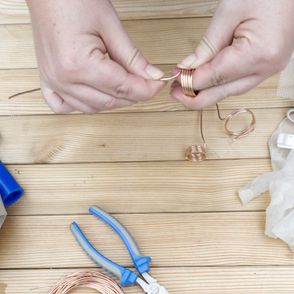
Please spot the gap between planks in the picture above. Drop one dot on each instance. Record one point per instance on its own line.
(212, 239)
(241, 280)
(12, 12)
(127, 137)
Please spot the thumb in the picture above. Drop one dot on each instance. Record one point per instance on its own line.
(219, 34)
(122, 50)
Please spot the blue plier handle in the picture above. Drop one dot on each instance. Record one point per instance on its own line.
(126, 276)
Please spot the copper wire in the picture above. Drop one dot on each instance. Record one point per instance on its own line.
(244, 132)
(24, 92)
(166, 79)
(87, 279)
(187, 82)
(197, 153)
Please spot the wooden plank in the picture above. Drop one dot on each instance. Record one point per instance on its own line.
(205, 239)
(203, 280)
(15, 81)
(149, 186)
(128, 137)
(164, 41)
(15, 11)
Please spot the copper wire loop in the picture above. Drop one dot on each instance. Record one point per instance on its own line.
(91, 279)
(187, 82)
(196, 153)
(244, 132)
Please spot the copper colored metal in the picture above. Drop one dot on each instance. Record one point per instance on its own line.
(90, 279)
(24, 92)
(187, 82)
(244, 132)
(196, 153)
(166, 79)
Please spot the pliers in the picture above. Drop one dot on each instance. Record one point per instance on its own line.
(126, 276)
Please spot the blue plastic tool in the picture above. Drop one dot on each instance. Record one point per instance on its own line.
(126, 276)
(10, 190)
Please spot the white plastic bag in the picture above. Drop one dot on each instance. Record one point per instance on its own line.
(2, 213)
(280, 184)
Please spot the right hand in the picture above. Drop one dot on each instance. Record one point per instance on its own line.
(72, 39)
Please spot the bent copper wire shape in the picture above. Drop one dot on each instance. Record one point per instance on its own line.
(198, 152)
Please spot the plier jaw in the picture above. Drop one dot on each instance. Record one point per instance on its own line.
(150, 285)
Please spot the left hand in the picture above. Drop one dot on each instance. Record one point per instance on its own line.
(246, 42)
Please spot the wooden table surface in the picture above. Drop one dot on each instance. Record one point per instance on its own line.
(130, 162)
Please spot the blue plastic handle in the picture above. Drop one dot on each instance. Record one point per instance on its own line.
(126, 276)
(10, 190)
(142, 263)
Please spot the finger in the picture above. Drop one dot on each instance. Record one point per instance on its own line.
(78, 105)
(219, 34)
(232, 63)
(213, 95)
(122, 50)
(97, 99)
(55, 101)
(111, 78)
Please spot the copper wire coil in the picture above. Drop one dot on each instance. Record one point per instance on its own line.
(187, 82)
(91, 279)
(244, 132)
(196, 153)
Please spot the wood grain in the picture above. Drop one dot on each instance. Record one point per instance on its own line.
(15, 81)
(15, 11)
(149, 186)
(133, 137)
(206, 239)
(163, 41)
(202, 280)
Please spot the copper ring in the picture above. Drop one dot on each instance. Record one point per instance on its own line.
(244, 132)
(187, 82)
(196, 153)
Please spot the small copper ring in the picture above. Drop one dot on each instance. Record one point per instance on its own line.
(187, 82)
(244, 132)
(196, 153)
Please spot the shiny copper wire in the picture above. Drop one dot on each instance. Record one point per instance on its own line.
(197, 153)
(243, 132)
(87, 279)
(166, 79)
(187, 82)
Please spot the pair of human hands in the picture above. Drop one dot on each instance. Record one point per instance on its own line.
(88, 63)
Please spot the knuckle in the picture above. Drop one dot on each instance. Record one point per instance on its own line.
(69, 66)
(122, 91)
(216, 78)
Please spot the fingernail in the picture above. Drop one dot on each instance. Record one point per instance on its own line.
(154, 72)
(188, 62)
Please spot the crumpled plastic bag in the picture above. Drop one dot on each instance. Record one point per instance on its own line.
(280, 184)
(2, 213)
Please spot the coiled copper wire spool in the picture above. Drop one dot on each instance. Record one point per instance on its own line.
(90, 279)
